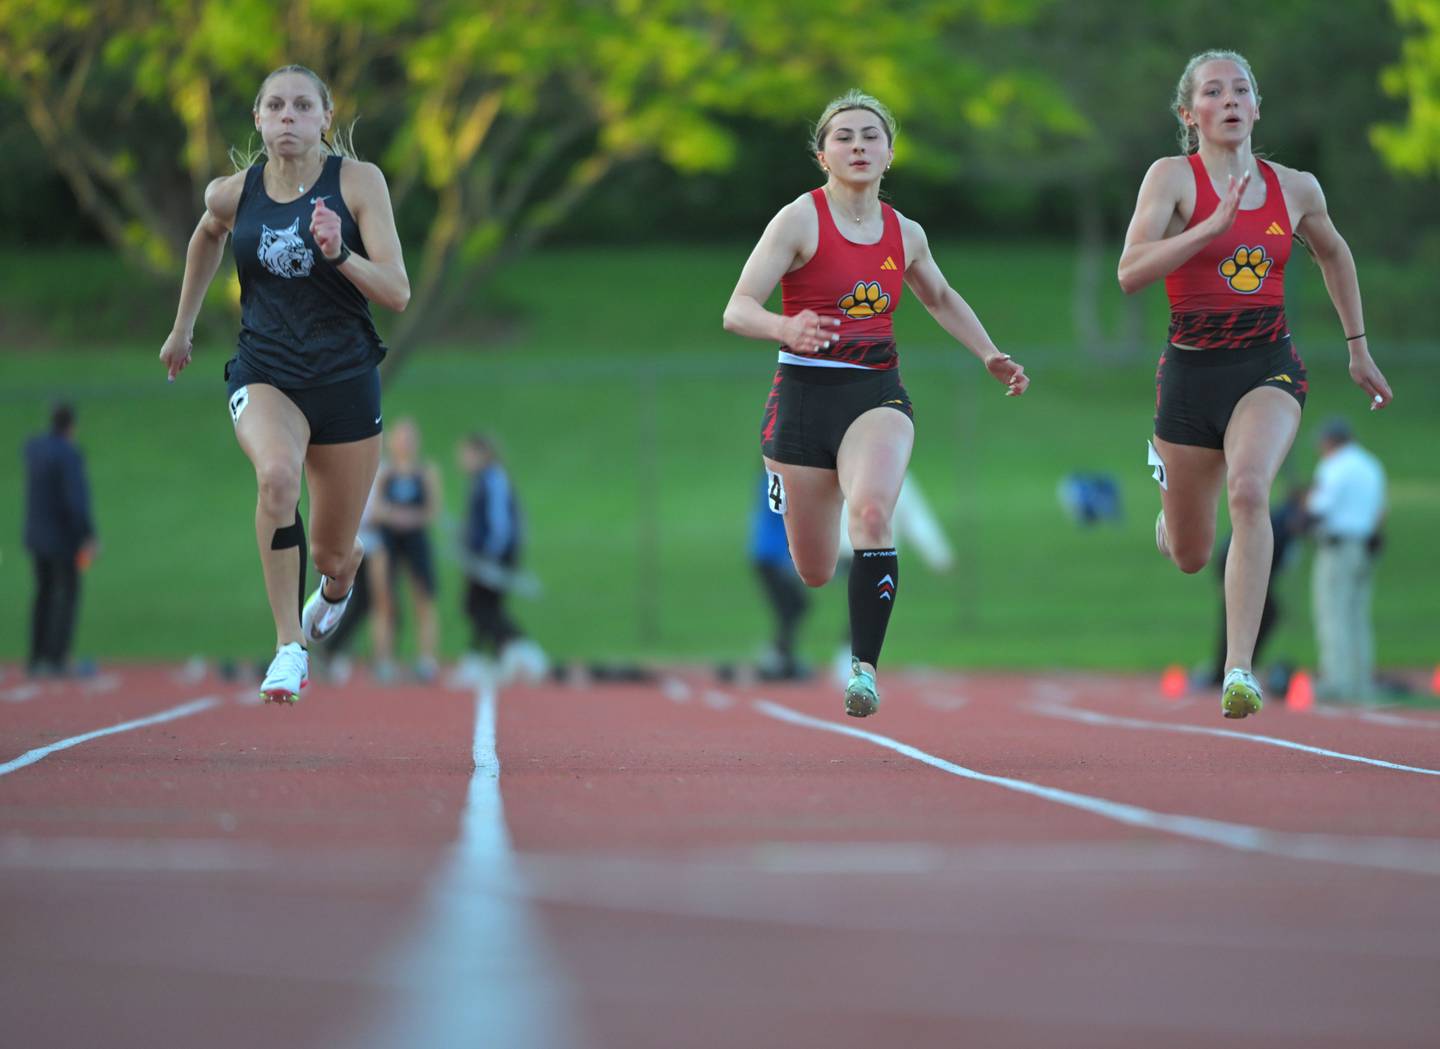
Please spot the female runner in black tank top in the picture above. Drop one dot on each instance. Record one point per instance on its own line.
(315, 242)
(1255, 413)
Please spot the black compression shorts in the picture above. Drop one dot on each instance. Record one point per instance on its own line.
(1196, 390)
(411, 547)
(339, 413)
(810, 408)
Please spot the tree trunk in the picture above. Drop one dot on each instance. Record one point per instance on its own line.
(1089, 248)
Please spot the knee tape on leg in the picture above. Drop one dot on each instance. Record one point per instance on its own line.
(290, 535)
(293, 536)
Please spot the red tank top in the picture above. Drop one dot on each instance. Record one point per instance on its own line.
(859, 283)
(1231, 293)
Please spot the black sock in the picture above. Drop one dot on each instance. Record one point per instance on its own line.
(334, 600)
(874, 576)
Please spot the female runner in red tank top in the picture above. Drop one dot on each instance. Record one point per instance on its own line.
(837, 426)
(1216, 224)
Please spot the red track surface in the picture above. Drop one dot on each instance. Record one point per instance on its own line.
(682, 869)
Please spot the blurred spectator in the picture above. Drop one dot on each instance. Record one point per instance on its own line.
(407, 503)
(1287, 522)
(60, 536)
(770, 554)
(1347, 508)
(492, 543)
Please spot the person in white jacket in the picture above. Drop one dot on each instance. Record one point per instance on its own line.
(1347, 505)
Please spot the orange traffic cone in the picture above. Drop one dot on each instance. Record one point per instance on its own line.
(1301, 693)
(1435, 682)
(1173, 682)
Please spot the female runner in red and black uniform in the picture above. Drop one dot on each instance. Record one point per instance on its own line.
(837, 425)
(304, 385)
(1216, 224)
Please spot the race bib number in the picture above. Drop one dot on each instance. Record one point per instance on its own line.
(1153, 459)
(775, 492)
(238, 401)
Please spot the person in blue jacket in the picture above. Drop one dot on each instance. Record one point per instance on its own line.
(784, 589)
(60, 535)
(492, 544)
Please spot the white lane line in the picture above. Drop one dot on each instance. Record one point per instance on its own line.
(87, 686)
(1414, 855)
(1379, 717)
(1091, 717)
(928, 858)
(185, 856)
(184, 710)
(478, 961)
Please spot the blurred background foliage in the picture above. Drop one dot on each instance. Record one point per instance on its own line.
(621, 121)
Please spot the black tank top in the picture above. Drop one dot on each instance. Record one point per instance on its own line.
(405, 488)
(302, 322)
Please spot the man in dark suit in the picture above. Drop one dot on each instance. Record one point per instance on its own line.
(60, 537)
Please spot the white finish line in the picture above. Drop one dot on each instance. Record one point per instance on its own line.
(1091, 717)
(1412, 855)
(184, 710)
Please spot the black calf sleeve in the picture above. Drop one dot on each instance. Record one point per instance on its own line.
(294, 536)
(874, 576)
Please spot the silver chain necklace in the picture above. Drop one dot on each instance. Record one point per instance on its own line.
(301, 187)
(843, 211)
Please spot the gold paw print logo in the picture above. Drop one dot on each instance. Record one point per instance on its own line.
(1245, 270)
(867, 300)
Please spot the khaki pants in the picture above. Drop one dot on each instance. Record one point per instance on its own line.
(1341, 591)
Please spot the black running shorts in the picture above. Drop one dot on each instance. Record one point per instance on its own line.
(810, 408)
(339, 413)
(1196, 390)
(411, 547)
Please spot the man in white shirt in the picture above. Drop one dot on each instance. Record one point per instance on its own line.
(1347, 506)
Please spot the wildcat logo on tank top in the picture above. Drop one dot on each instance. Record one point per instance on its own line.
(283, 253)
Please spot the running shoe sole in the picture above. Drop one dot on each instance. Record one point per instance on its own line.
(1240, 700)
(860, 702)
(282, 696)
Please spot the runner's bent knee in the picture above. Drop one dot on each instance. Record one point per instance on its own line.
(279, 484)
(869, 523)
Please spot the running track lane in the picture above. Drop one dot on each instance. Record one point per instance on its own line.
(231, 878)
(691, 854)
(696, 873)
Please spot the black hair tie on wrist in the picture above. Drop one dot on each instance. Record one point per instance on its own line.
(1352, 338)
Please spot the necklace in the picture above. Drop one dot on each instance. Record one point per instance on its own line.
(300, 188)
(844, 211)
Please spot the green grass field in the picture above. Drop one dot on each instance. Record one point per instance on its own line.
(630, 423)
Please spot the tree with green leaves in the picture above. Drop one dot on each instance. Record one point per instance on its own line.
(493, 124)
(1414, 146)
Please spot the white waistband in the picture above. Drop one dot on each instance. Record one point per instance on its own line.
(786, 357)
